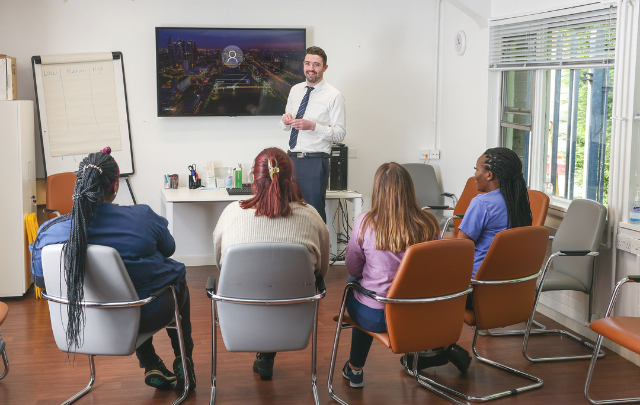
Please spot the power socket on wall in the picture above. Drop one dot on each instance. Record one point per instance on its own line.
(628, 244)
(429, 154)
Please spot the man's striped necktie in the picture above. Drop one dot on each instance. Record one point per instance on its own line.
(293, 139)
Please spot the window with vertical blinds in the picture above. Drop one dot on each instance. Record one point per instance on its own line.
(585, 39)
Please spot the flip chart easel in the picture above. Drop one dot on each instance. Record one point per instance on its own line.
(82, 107)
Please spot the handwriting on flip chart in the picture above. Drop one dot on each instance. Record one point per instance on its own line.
(81, 107)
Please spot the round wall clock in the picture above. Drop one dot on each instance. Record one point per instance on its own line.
(460, 43)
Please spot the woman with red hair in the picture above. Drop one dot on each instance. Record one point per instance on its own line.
(276, 213)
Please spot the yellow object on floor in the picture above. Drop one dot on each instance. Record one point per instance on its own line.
(31, 223)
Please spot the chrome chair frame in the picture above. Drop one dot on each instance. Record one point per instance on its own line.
(211, 293)
(125, 304)
(5, 359)
(356, 286)
(594, 358)
(448, 223)
(537, 381)
(544, 331)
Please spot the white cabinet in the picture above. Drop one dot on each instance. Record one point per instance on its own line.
(18, 185)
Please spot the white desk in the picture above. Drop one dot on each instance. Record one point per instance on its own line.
(193, 214)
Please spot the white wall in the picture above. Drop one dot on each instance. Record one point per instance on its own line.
(380, 55)
(463, 91)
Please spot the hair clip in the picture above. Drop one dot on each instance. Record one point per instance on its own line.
(273, 169)
(92, 166)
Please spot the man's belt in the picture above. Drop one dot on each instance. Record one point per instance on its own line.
(309, 154)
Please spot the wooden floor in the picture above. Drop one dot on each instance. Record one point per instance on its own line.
(41, 374)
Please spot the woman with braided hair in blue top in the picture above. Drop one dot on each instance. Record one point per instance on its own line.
(144, 243)
(504, 204)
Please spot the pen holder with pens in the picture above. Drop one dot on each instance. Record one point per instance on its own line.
(194, 183)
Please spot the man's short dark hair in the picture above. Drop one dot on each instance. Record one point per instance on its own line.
(314, 50)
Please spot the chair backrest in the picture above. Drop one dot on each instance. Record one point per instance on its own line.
(514, 253)
(425, 184)
(107, 331)
(427, 270)
(581, 229)
(470, 191)
(59, 192)
(539, 203)
(263, 271)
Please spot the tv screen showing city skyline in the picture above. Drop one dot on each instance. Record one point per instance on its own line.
(227, 72)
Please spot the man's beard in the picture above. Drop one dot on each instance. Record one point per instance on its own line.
(314, 79)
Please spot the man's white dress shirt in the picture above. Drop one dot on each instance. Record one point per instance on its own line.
(326, 108)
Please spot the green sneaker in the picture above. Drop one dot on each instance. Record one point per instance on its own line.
(177, 369)
(158, 376)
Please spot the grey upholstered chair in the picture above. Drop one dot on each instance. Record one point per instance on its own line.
(576, 242)
(4, 309)
(112, 308)
(266, 301)
(425, 184)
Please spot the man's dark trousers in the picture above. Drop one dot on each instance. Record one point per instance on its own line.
(312, 176)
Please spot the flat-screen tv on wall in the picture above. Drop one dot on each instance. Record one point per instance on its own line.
(227, 71)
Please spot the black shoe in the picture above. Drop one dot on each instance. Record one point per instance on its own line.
(355, 377)
(157, 376)
(177, 369)
(263, 366)
(426, 359)
(459, 357)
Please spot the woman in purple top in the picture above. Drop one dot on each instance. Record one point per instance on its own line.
(376, 247)
(505, 204)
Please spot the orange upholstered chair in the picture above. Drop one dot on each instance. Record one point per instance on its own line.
(470, 191)
(424, 307)
(504, 294)
(539, 203)
(622, 330)
(59, 192)
(4, 309)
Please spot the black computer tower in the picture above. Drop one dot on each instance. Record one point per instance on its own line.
(338, 167)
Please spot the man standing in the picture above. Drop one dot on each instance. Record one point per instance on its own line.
(316, 116)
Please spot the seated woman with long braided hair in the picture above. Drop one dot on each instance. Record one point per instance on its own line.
(504, 205)
(144, 243)
(276, 213)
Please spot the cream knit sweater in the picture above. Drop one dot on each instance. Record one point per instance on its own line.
(304, 226)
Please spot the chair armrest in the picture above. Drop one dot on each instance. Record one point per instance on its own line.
(211, 285)
(48, 211)
(158, 293)
(437, 207)
(577, 253)
(551, 237)
(452, 196)
(320, 284)
(616, 291)
(356, 286)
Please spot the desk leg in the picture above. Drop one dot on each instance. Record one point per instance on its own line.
(357, 208)
(330, 208)
(167, 212)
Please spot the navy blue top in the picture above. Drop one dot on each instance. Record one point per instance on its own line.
(485, 217)
(140, 236)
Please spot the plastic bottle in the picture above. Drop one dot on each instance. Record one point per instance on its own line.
(229, 178)
(634, 216)
(238, 176)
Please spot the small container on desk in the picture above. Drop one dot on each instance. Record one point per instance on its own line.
(194, 183)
